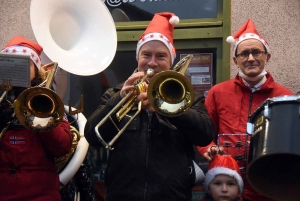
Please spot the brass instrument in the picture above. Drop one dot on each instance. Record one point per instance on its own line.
(121, 109)
(40, 108)
(60, 163)
(169, 92)
(84, 52)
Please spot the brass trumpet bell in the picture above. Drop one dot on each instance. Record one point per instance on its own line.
(39, 109)
(170, 93)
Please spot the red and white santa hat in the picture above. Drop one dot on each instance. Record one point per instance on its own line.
(161, 28)
(226, 165)
(23, 46)
(247, 31)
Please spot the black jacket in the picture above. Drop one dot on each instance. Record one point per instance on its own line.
(152, 159)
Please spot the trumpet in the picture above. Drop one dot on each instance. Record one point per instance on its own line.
(169, 92)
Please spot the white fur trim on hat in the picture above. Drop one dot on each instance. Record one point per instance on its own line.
(212, 173)
(246, 37)
(160, 37)
(21, 50)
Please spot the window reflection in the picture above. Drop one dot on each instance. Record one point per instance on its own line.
(143, 10)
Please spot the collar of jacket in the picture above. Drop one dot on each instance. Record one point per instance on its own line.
(267, 85)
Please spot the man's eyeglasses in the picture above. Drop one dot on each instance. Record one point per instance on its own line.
(255, 54)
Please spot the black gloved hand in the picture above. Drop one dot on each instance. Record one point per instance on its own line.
(5, 114)
(18, 91)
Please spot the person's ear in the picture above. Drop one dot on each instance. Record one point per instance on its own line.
(268, 57)
(234, 60)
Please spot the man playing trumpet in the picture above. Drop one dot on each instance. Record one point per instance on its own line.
(152, 159)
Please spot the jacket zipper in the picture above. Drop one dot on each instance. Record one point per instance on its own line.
(147, 153)
(249, 113)
(250, 105)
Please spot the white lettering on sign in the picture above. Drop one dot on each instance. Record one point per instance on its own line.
(116, 3)
(204, 58)
(200, 79)
(198, 69)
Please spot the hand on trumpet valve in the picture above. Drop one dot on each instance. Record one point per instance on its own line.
(141, 93)
(129, 83)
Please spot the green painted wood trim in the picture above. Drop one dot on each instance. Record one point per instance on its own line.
(192, 33)
(182, 24)
(224, 72)
(214, 43)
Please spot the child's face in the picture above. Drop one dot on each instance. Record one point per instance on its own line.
(223, 188)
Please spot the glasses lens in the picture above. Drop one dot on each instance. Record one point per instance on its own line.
(256, 54)
(244, 55)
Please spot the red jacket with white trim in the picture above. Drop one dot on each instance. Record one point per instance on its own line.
(27, 169)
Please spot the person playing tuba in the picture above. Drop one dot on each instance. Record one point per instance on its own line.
(27, 157)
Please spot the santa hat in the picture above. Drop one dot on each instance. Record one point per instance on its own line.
(247, 31)
(23, 46)
(226, 165)
(161, 28)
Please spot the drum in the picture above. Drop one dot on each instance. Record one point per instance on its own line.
(274, 157)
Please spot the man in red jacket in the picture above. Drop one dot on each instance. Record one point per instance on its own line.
(27, 170)
(231, 102)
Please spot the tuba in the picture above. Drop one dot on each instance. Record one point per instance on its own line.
(169, 92)
(81, 36)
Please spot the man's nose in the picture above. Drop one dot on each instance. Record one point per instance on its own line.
(152, 62)
(251, 57)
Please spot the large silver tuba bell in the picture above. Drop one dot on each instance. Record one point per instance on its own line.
(82, 38)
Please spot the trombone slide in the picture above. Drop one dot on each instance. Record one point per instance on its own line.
(2, 96)
(127, 107)
(120, 131)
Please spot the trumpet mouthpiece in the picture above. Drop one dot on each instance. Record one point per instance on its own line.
(150, 72)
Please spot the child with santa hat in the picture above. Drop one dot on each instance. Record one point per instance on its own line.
(223, 180)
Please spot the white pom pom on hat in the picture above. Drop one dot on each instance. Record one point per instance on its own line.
(174, 20)
(230, 40)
